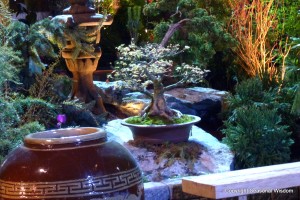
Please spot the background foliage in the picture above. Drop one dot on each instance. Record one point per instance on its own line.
(29, 58)
(203, 31)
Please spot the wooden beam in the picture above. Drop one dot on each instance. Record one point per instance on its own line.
(267, 179)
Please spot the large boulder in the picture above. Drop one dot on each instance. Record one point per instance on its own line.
(204, 102)
(211, 156)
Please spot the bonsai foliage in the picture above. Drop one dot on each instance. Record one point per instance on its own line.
(147, 66)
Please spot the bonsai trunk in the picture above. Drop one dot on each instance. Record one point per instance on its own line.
(171, 31)
(158, 105)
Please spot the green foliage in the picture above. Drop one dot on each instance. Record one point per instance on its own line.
(12, 137)
(258, 124)
(5, 148)
(23, 46)
(288, 14)
(106, 6)
(79, 113)
(158, 120)
(9, 117)
(82, 38)
(13, 108)
(37, 40)
(203, 33)
(134, 22)
(16, 116)
(46, 38)
(249, 92)
(292, 75)
(253, 91)
(218, 8)
(10, 64)
(156, 7)
(293, 58)
(257, 138)
(50, 86)
(20, 116)
(296, 104)
(34, 109)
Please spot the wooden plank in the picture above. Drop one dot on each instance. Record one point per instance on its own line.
(242, 182)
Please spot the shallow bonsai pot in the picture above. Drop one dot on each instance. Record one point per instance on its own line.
(70, 164)
(158, 134)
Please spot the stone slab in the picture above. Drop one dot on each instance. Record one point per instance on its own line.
(215, 157)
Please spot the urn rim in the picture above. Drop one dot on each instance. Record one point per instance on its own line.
(65, 136)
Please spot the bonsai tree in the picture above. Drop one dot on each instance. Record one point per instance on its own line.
(144, 69)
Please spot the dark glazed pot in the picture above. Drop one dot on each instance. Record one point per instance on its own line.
(158, 134)
(75, 163)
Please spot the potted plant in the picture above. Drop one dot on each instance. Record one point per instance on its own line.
(144, 69)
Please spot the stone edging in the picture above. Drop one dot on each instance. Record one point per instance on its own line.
(166, 190)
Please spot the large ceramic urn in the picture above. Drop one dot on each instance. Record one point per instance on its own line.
(70, 164)
(84, 64)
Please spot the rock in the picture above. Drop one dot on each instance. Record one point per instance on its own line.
(156, 191)
(109, 93)
(213, 156)
(129, 103)
(206, 103)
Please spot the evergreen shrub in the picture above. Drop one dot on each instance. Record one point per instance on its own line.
(254, 129)
(257, 138)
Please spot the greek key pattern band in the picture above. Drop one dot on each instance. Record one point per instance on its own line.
(89, 186)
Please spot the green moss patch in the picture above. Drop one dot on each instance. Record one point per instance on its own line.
(158, 120)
